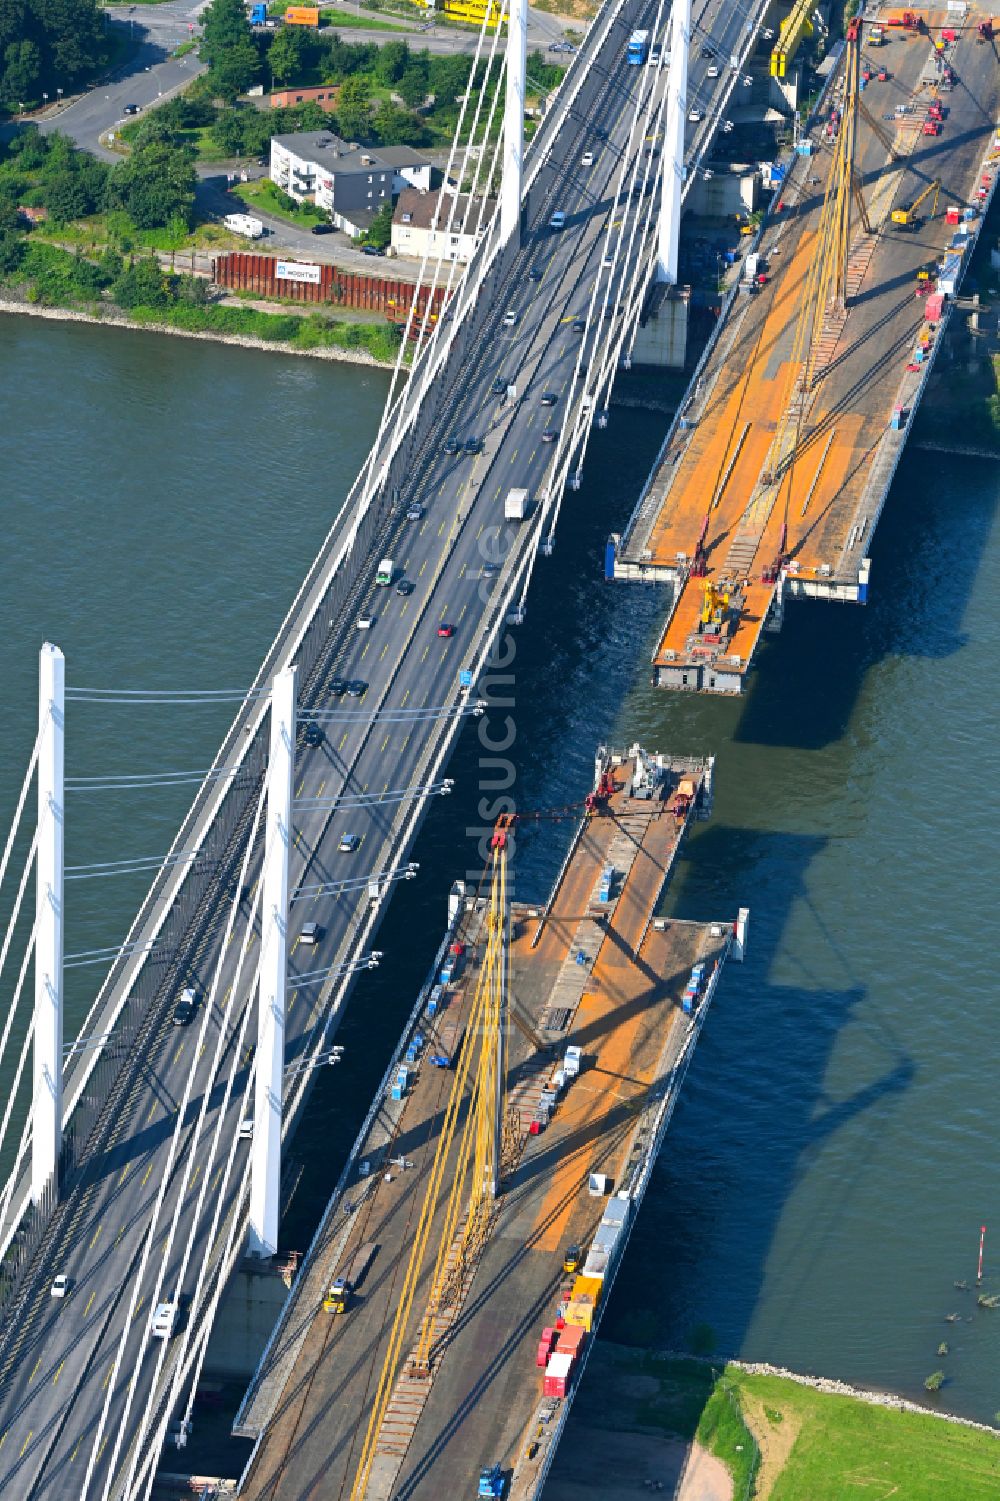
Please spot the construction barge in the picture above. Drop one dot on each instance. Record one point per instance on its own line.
(773, 476)
(440, 1323)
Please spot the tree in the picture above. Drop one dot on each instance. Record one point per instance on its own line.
(154, 185)
(22, 72)
(143, 284)
(225, 25)
(380, 232)
(236, 71)
(397, 127)
(412, 87)
(448, 77)
(288, 55)
(393, 60)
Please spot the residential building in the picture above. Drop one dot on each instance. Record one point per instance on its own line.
(349, 182)
(325, 96)
(438, 224)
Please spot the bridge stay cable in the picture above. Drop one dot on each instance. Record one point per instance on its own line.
(222, 1038)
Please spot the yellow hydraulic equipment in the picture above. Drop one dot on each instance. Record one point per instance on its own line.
(714, 604)
(907, 215)
(464, 1178)
(790, 33)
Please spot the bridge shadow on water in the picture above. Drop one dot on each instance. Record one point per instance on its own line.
(925, 559)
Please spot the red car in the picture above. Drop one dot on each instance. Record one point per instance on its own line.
(883, 75)
(446, 630)
(931, 128)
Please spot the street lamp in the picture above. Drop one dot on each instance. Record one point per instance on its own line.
(59, 94)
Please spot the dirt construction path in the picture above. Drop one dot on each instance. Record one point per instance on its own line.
(775, 1441)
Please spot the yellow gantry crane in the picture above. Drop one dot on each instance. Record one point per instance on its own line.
(791, 32)
(907, 215)
(825, 288)
(464, 1179)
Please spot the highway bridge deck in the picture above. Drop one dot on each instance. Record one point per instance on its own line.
(621, 1005)
(819, 520)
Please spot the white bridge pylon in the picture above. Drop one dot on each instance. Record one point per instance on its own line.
(47, 1046)
(673, 145)
(265, 1150)
(513, 122)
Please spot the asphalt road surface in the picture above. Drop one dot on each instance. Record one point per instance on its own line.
(57, 1358)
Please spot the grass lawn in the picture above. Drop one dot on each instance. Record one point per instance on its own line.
(264, 195)
(813, 1446)
(345, 19)
(103, 229)
(818, 1447)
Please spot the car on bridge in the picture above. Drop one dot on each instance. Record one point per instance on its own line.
(357, 688)
(365, 621)
(473, 445)
(549, 398)
(186, 1007)
(404, 587)
(60, 1287)
(349, 843)
(446, 629)
(311, 933)
(314, 734)
(338, 687)
(452, 446)
(587, 159)
(550, 435)
(415, 513)
(509, 318)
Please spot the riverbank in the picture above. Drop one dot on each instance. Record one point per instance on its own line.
(781, 1436)
(112, 318)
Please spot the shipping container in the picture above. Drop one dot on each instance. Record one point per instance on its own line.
(596, 1263)
(616, 1211)
(581, 1312)
(587, 1287)
(571, 1340)
(606, 1240)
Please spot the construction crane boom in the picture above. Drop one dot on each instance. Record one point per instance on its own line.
(906, 215)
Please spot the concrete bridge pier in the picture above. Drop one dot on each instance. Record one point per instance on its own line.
(47, 1050)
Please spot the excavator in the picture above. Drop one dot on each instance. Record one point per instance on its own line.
(714, 605)
(907, 217)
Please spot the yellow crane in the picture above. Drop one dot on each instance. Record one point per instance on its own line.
(907, 216)
(464, 1178)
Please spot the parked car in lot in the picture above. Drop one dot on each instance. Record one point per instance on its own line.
(322, 229)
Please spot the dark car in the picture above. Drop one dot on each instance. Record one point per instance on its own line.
(322, 229)
(371, 250)
(535, 274)
(314, 735)
(452, 446)
(579, 325)
(185, 1009)
(404, 587)
(338, 687)
(357, 688)
(131, 109)
(499, 386)
(549, 398)
(707, 52)
(473, 445)
(550, 435)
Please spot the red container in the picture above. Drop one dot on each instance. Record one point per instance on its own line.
(554, 1386)
(542, 1354)
(952, 215)
(571, 1340)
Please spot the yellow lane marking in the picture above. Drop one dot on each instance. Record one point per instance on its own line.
(365, 651)
(194, 1175)
(56, 1376)
(422, 567)
(152, 1112)
(179, 1051)
(426, 651)
(480, 531)
(513, 456)
(35, 1371)
(383, 651)
(89, 1301)
(97, 1232)
(385, 742)
(298, 790)
(405, 696)
(343, 741)
(119, 1235)
(464, 608)
(26, 1443)
(406, 742)
(146, 1176)
(440, 530)
(3, 1438)
(461, 571)
(322, 784)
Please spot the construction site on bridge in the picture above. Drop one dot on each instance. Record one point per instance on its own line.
(434, 1337)
(772, 479)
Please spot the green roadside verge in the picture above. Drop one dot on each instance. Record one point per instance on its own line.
(110, 288)
(778, 1439)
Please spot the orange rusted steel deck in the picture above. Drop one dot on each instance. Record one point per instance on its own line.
(622, 1007)
(723, 506)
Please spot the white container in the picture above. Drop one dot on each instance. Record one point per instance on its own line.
(560, 1364)
(515, 507)
(572, 1062)
(244, 224)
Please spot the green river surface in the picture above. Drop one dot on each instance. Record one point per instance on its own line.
(832, 1156)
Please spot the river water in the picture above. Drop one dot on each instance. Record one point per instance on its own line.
(832, 1158)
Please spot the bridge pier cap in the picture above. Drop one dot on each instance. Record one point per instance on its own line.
(47, 1048)
(265, 1145)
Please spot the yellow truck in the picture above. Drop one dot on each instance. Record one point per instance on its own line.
(344, 1285)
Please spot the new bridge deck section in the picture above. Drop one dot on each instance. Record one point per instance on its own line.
(622, 1007)
(844, 459)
